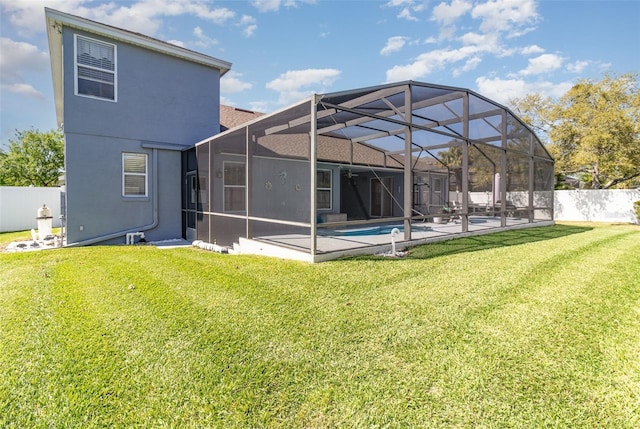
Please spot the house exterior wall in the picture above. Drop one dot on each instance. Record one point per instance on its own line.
(159, 98)
(162, 102)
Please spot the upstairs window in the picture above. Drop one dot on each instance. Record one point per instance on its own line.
(134, 175)
(95, 68)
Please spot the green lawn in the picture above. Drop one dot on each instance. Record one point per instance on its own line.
(529, 328)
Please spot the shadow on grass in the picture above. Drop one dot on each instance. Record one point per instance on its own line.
(489, 241)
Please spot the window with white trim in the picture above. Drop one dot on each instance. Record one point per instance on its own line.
(95, 68)
(234, 186)
(135, 181)
(323, 189)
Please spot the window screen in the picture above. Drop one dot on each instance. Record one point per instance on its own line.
(95, 68)
(134, 174)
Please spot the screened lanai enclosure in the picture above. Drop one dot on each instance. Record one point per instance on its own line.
(345, 173)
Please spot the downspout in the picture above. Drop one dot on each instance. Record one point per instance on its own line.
(153, 224)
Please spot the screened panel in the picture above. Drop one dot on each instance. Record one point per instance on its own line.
(544, 181)
(486, 129)
(231, 143)
(202, 227)
(428, 139)
(380, 107)
(225, 231)
(480, 106)
(331, 148)
(286, 236)
(517, 183)
(226, 159)
(372, 153)
(204, 178)
(539, 149)
(279, 168)
(482, 169)
(427, 93)
(434, 114)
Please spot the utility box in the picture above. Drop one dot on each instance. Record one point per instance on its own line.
(45, 222)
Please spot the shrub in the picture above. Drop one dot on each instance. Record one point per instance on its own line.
(636, 208)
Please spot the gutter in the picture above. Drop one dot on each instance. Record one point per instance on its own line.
(147, 227)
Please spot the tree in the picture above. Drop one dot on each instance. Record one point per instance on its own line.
(593, 131)
(33, 158)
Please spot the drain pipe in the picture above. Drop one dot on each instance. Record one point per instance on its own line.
(394, 232)
(147, 227)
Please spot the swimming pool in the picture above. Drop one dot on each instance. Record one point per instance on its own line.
(374, 230)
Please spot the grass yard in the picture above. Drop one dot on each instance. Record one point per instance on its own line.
(521, 329)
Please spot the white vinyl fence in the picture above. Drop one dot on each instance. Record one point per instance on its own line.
(596, 205)
(19, 206)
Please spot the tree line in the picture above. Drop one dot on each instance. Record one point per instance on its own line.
(592, 131)
(33, 158)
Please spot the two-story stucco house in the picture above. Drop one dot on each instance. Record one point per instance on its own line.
(130, 107)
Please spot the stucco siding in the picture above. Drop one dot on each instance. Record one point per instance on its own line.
(159, 97)
(95, 205)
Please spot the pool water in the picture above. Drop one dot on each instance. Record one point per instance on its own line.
(374, 230)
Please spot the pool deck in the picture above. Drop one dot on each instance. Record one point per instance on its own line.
(297, 246)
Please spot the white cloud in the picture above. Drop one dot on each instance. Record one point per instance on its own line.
(533, 49)
(489, 42)
(470, 64)
(437, 59)
(543, 64)
(249, 24)
(578, 66)
(297, 84)
(22, 89)
(144, 16)
(396, 3)
(274, 5)
(232, 83)
(504, 90)
(394, 44)
(447, 32)
(19, 58)
(509, 17)
(405, 13)
(407, 8)
(259, 106)
(446, 14)
(203, 41)
(28, 16)
(266, 5)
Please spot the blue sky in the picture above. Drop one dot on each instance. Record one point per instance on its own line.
(284, 50)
